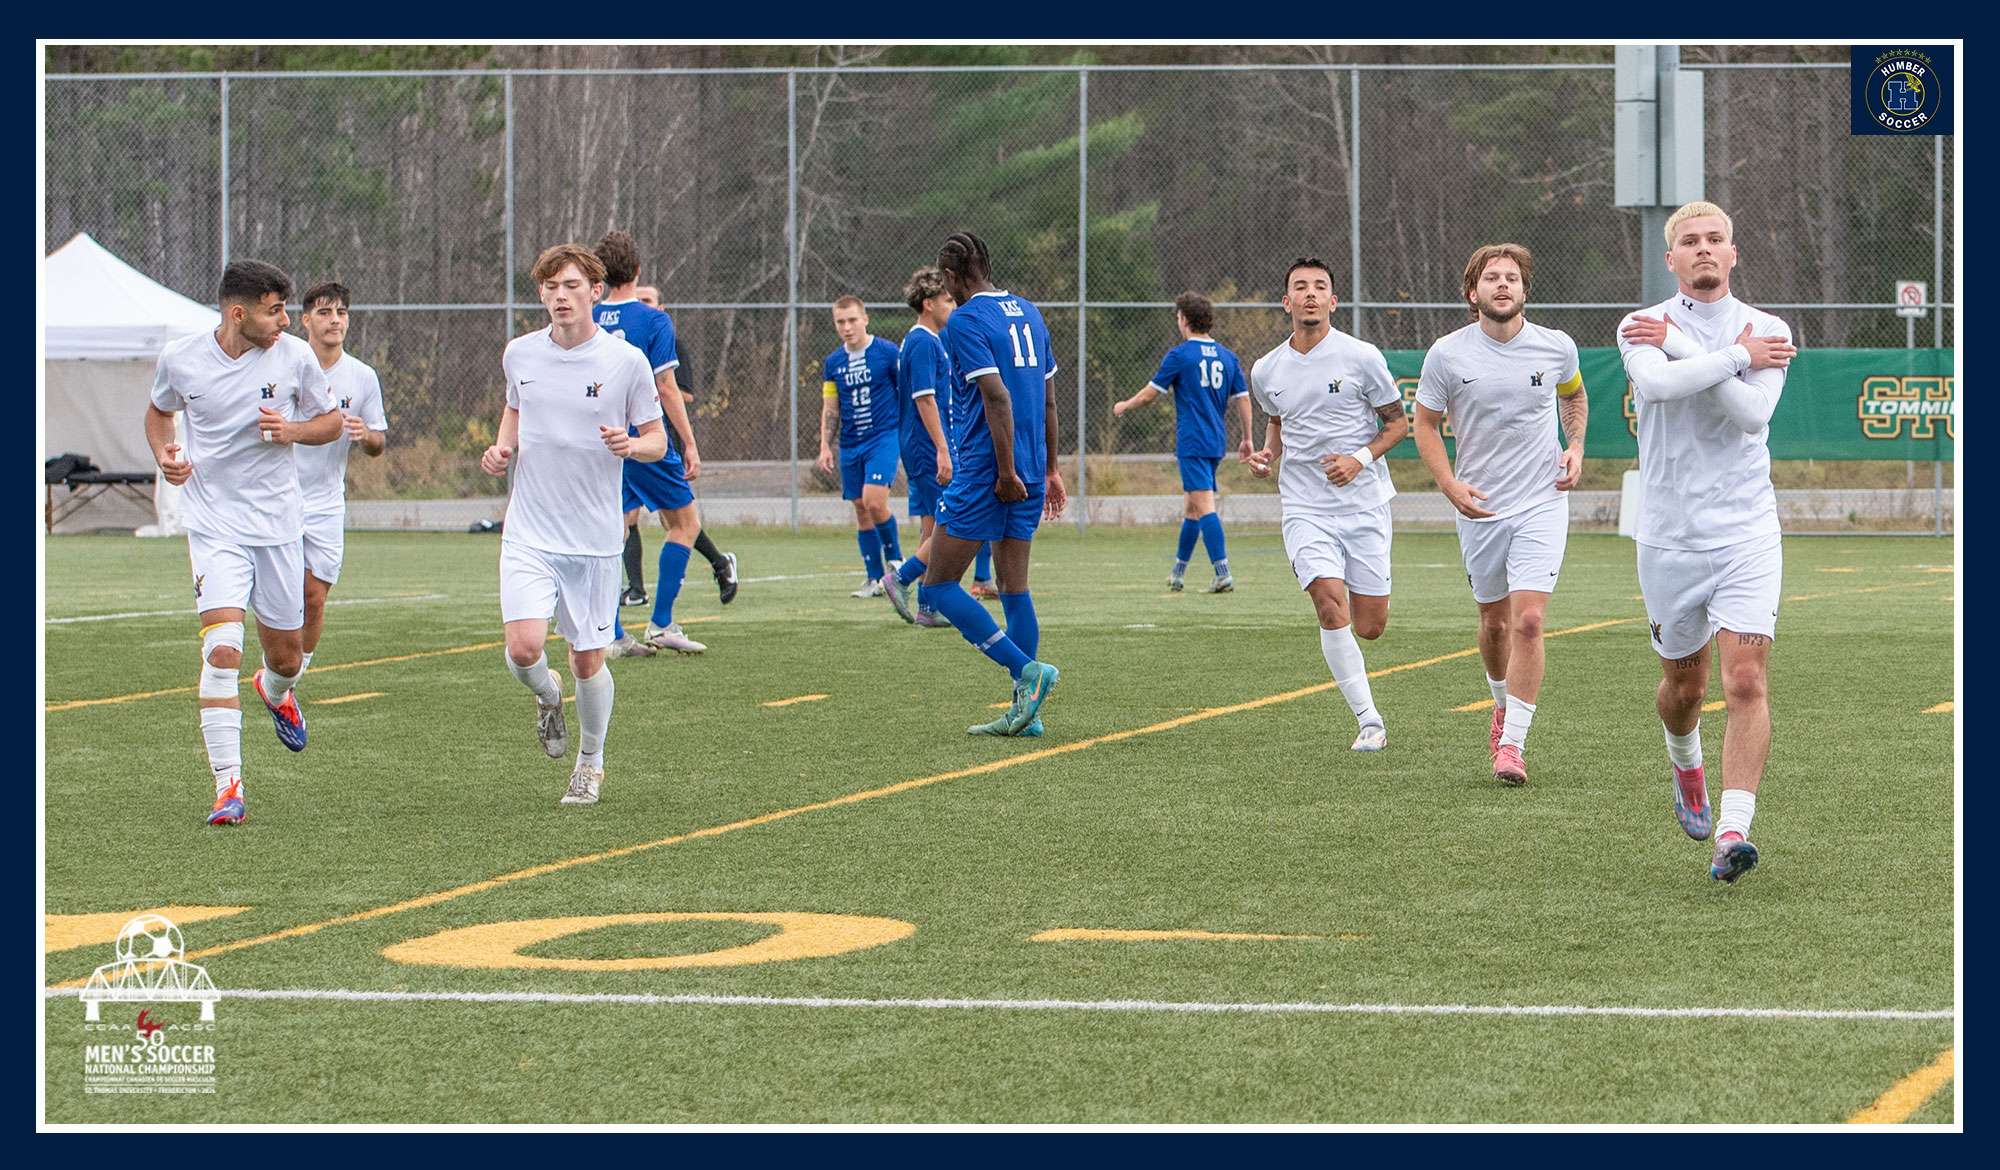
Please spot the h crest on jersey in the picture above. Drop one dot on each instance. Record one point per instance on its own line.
(594, 388)
(1536, 378)
(271, 391)
(1333, 387)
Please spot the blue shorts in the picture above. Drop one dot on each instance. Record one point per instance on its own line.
(872, 462)
(656, 487)
(924, 492)
(969, 512)
(1198, 473)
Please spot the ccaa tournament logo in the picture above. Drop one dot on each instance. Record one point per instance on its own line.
(1901, 90)
(156, 1052)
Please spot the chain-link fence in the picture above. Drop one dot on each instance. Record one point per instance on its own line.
(760, 195)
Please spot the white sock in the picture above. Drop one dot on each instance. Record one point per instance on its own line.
(537, 678)
(1738, 806)
(1343, 658)
(222, 730)
(277, 686)
(1684, 750)
(1520, 713)
(1499, 688)
(593, 713)
(306, 664)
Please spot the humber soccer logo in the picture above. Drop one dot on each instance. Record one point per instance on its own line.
(1902, 93)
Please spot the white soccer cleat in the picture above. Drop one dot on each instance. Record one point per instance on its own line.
(584, 784)
(1373, 738)
(872, 589)
(550, 725)
(630, 647)
(671, 638)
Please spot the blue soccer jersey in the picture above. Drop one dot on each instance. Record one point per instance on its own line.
(922, 371)
(995, 332)
(1202, 376)
(865, 384)
(652, 331)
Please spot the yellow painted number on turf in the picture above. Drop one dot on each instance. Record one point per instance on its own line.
(499, 944)
(62, 932)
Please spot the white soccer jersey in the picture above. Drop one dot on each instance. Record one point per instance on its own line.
(323, 469)
(1705, 482)
(1325, 402)
(243, 490)
(566, 481)
(1501, 400)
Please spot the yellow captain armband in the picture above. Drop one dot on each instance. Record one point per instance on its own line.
(829, 390)
(1572, 386)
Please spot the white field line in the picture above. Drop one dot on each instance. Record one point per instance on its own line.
(110, 617)
(1073, 1005)
(797, 577)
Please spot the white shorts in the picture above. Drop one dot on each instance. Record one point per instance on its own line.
(1519, 552)
(1353, 548)
(267, 579)
(580, 592)
(1691, 595)
(326, 541)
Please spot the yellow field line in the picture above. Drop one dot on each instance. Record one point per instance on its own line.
(799, 699)
(535, 871)
(348, 698)
(1908, 1095)
(316, 670)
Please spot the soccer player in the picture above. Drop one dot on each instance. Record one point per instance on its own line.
(922, 370)
(861, 396)
(1334, 412)
(1706, 373)
(658, 485)
(580, 402)
(1004, 480)
(323, 469)
(722, 564)
(250, 391)
(1206, 381)
(1503, 380)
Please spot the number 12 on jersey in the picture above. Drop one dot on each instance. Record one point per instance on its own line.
(1018, 333)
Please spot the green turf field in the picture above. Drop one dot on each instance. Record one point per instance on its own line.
(1439, 949)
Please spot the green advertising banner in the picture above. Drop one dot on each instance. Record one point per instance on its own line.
(1838, 404)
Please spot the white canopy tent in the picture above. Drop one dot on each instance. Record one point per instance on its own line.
(103, 325)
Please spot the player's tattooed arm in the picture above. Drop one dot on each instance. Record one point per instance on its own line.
(1574, 410)
(829, 418)
(1395, 427)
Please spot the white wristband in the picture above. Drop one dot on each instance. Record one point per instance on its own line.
(1364, 457)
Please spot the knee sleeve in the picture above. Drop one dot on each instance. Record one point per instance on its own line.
(219, 682)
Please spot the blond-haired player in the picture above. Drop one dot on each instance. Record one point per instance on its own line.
(1706, 372)
(572, 391)
(1503, 380)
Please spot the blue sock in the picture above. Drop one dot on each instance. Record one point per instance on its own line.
(871, 552)
(982, 567)
(1190, 529)
(977, 626)
(892, 545)
(673, 566)
(912, 570)
(1023, 628)
(1211, 539)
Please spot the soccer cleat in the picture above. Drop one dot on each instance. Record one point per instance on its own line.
(671, 638)
(1691, 802)
(290, 721)
(997, 727)
(1037, 679)
(550, 725)
(1507, 766)
(725, 578)
(630, 647)
(1222, 584)
(984, 590)
(1032, 730)
(1499, 728)
(1734, 857)
(633, 596)
(930, 619)
(899, 596)
(1373, 738)
(872, 589)
(228, 808)
(1176, 582)
(584, 784)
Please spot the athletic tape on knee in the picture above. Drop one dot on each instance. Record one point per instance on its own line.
(218, 682)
